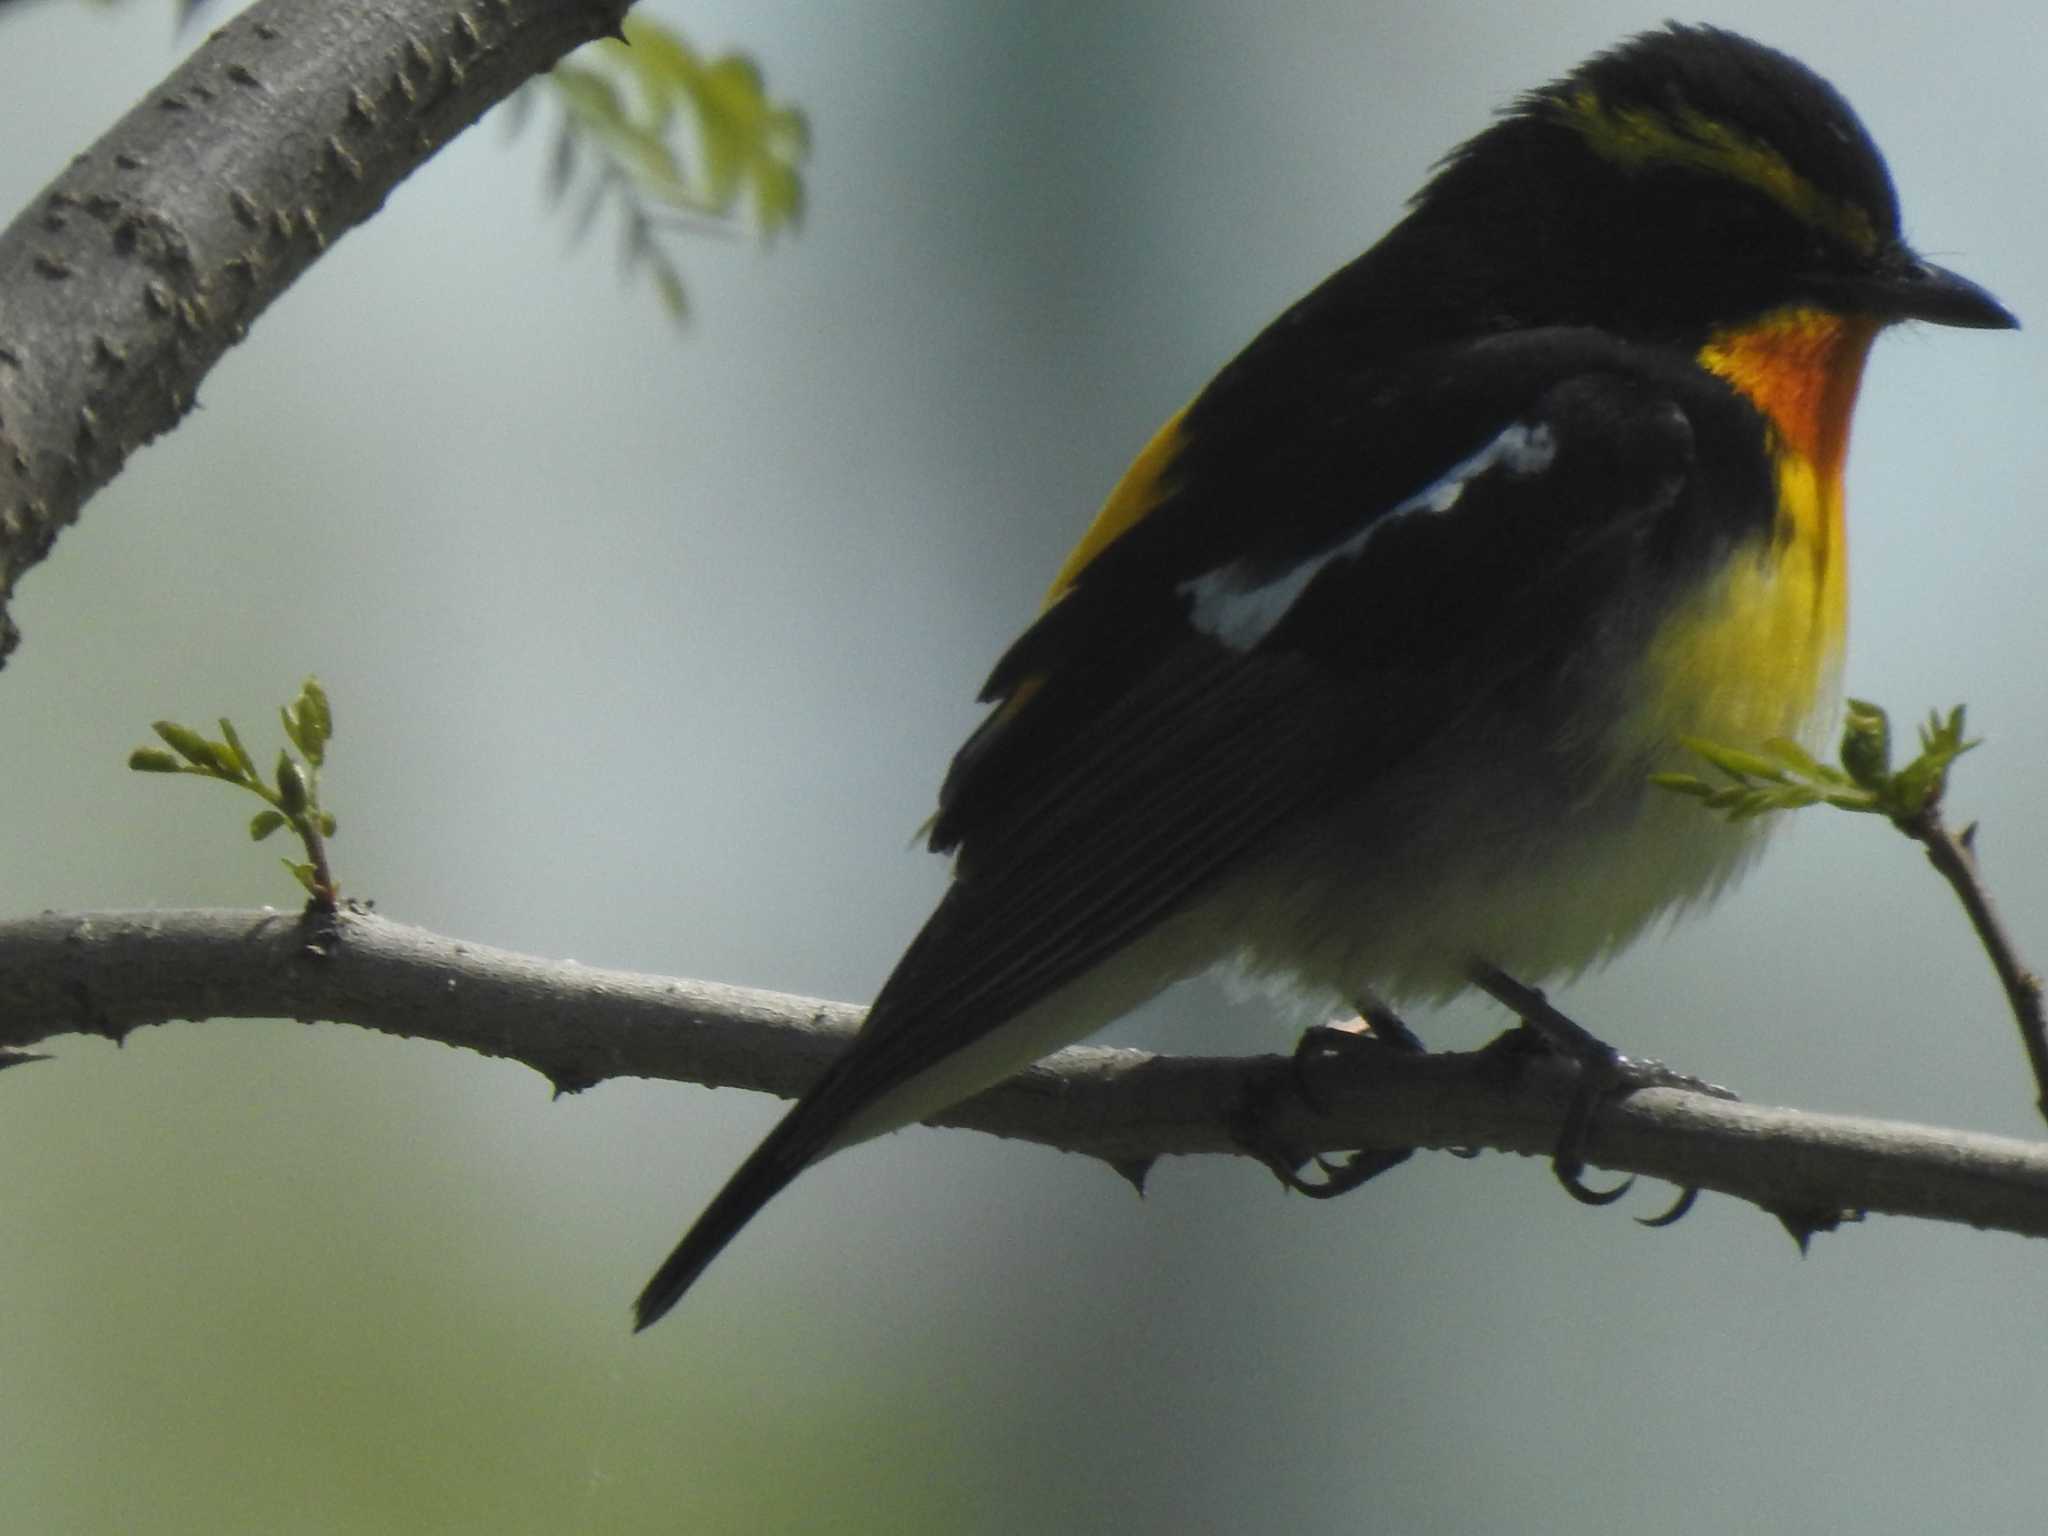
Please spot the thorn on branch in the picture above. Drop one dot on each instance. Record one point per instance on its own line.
(1134, 1171)
(348, 164)
(1801, 1224)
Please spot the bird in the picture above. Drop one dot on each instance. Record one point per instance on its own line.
(1358, 679)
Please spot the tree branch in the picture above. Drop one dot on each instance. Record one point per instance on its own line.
(108, 972)
(1954, 857)
(123, 283)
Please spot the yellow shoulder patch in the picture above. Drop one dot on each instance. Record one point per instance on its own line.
(1142, 488)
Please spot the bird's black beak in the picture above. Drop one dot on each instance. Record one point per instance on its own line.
(1907, 288)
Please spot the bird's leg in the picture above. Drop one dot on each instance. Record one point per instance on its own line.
(1376, 1028)
(1604, 1073)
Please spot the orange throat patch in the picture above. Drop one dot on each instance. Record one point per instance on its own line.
(1753, 654)
(1801, 367)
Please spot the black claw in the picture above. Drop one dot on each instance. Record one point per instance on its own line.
(1583, 1192)
(1254, 1129)
(1568, 1156)
(1676, 1214)
(1604, 1073)
(1340, 1178)
(1282, 1162)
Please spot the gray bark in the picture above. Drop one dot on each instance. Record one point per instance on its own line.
(125, 280)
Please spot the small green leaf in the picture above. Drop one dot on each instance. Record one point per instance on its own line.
(668, 283)
(308, 722)
(1944, 737)
(243, 760)
(326, 824)
(1737, 764)
(303, 873)
(196, 749)
(316, 707)
(1793, 755)
(291, 785)
(1913, 786)
(1682, 783)
(263, 823)
(1867, 745)
(562, 163)
(778, 199)
(154, 760)
(589, 95)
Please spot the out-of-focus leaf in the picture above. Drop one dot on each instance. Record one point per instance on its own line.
(654, 127)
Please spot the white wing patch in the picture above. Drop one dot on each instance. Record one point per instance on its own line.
(1240, 608)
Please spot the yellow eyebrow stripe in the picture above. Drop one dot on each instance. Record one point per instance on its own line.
(1638, 136)
(1142, 488)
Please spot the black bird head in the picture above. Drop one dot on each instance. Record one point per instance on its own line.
(1683, 182)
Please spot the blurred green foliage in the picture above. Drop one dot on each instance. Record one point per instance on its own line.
(672, 140)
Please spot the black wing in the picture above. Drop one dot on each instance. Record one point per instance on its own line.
(1306, 601)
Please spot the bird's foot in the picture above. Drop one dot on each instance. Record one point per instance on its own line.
(1375, 1029)
(1604, 1074)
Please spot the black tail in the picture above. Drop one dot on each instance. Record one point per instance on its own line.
(802, 1134)
(902, 1037)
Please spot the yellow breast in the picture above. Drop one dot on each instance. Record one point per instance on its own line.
(1753, 653)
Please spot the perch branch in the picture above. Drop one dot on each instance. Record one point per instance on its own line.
(110, 972)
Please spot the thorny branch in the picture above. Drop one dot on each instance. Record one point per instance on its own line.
(111, 972)
(127, 278)
(1954, 856)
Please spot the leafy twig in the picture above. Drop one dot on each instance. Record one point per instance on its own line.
(1784, 776)
(293, 798)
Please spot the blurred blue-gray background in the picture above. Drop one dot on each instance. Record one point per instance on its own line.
(648, 648)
